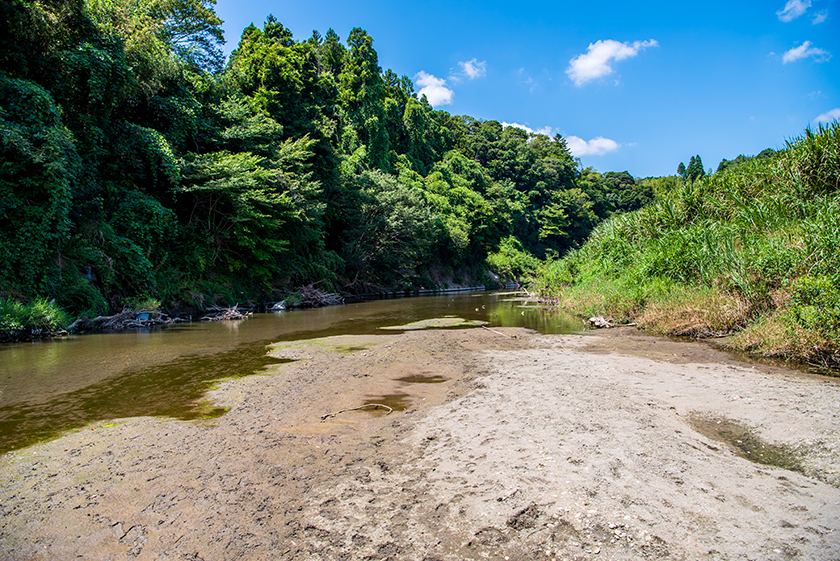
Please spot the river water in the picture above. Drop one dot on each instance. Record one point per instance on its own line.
(53, 386)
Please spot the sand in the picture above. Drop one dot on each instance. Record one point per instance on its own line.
(502, 445)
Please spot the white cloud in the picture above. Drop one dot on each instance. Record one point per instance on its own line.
(545, 130)
(434, 89)
(595, 62)
(829, 116)
(474, 69)
(598, 146)
(805, 50)
(819, 17)
(793, 9)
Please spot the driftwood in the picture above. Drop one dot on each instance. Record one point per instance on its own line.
(600, 322)
(311, 297)
(365, 406)
(130, 319)
(499, 333)
(224, 314)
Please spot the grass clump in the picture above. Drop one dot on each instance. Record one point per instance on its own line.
(37, 318)
(754, 250)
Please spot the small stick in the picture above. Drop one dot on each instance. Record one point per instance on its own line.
(374, 405)
(500, 333)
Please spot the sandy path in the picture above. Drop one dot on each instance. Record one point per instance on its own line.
(563, 447)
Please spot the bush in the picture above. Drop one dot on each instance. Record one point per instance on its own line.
(815, 305)
(37, 318)
(511, 261)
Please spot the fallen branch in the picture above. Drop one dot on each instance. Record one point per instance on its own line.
(374, 405)
(311, 297)
(499, 333)
(601, 322)
(225, 315)
(127, 319)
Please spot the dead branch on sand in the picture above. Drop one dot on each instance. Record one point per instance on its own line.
(600, 322)
(500, 333)
(374, 405)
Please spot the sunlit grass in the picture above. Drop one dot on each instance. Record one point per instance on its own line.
(39, 316)
(754, 251)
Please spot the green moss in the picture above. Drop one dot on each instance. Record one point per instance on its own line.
(344, 344)
(746, 444)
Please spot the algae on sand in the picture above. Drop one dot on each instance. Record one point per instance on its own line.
(746, 444)
(435, 323)
(305, 348)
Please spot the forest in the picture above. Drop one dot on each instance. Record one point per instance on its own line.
(141, 168)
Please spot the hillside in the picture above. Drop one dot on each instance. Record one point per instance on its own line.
(140, 168)
(753, 251)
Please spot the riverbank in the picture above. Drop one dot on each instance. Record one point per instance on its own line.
(752, 252)
(598, 446)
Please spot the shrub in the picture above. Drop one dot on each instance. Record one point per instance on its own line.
(511, 261)
(38, 317)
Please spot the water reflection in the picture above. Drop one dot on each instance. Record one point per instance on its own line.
(174, 389)
(49, 387)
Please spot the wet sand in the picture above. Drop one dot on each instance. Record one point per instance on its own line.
(539, 446)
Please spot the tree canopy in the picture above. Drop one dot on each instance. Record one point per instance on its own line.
(137, 163)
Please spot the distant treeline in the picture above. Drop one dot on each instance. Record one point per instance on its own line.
(138, 163)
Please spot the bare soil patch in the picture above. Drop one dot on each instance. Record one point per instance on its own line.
(566, 447)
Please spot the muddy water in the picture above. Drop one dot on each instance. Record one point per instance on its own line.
(54, 386)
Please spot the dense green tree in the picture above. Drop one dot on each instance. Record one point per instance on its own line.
(133, 165)
(394, 232)
(38, 166)
(725, 164)
(624, 193)
(695, 169)
(364, 102)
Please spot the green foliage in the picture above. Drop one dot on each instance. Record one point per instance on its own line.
(695, 169)
(725, 164)
(760, 239)
(511, 261)
(160, 34)
(39, 316)
(395, 231)
(815, 305)
(38, 166)
(134, 166)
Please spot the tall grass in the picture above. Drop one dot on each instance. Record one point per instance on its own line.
(753, 251)
(40, 317)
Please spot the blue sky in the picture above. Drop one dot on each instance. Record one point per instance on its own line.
(631, 86)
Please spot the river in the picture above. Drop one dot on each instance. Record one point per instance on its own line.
(49, 387)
